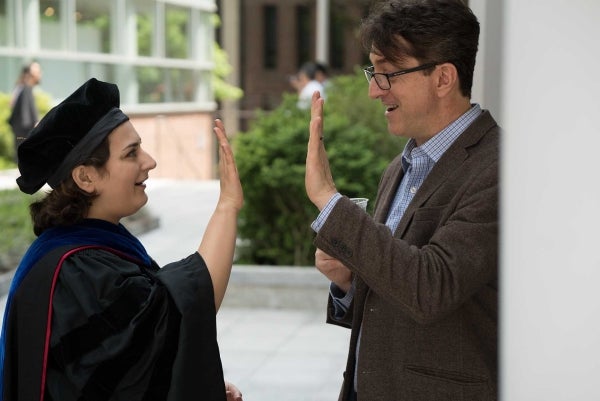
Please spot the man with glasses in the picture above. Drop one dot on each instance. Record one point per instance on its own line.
(418, 281)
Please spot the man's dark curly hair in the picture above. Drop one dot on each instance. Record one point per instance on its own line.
(428, 30)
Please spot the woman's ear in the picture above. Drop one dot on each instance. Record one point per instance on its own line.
(84, 177)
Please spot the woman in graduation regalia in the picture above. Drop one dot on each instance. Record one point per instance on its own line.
(90, 315)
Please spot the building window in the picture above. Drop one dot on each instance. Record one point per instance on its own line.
(303, 34)
(3, 24)
(157, 51)
(177, 32)
(270, 37)
(51, 14)
(145, 31)
(76, 72)
(166, 85)
(93, 19)
(336, 41)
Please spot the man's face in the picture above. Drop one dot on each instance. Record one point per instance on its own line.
(411, 104)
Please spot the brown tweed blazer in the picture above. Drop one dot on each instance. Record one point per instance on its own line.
(426, 296)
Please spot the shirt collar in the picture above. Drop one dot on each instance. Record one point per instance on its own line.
(440, 142)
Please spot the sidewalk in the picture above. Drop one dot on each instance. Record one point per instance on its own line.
(282, 355)
(274, 342)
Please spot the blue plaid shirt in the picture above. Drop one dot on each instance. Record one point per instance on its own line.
(417, 162)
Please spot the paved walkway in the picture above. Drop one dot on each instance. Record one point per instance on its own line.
(273, 350)
(274, 342)
(283, 355)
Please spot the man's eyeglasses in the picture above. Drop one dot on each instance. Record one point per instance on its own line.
(383, 79)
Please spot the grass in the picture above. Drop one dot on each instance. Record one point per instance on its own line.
(15, 227)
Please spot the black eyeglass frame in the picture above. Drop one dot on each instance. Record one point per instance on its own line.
(369, 74)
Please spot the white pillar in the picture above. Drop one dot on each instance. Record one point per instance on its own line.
(487, 79)
(550, 201)
(158, 37)
(31, 28)
(322, 44)
(231, 44)
(124, 44)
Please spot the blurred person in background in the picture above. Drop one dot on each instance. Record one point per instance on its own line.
(24, 114)
(322, 75)
(305, 83)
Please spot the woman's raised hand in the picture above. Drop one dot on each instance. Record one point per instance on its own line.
(231, 188)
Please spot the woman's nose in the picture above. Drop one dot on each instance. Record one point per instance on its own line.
(149, 162)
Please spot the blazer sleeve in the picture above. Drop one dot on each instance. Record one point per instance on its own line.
(446, 253)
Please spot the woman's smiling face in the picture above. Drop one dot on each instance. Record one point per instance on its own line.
(120, 183)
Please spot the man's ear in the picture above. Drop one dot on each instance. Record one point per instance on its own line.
(447, 78)
(85, 178)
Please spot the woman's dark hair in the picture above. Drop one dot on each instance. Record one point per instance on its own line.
(67, 203)
(428, 30)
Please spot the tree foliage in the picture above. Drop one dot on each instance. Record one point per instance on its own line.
(275, 221)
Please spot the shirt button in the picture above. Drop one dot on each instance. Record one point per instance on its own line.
(413, 190)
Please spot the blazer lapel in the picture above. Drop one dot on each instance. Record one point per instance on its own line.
(448, 164)
(388, 191)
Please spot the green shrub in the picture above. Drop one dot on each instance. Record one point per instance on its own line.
(6, 136)
(15, 226)
(275, 221)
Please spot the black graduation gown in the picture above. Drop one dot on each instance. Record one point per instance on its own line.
(91, 324)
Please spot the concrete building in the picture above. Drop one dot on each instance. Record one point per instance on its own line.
(267, 40)
(159, 53)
